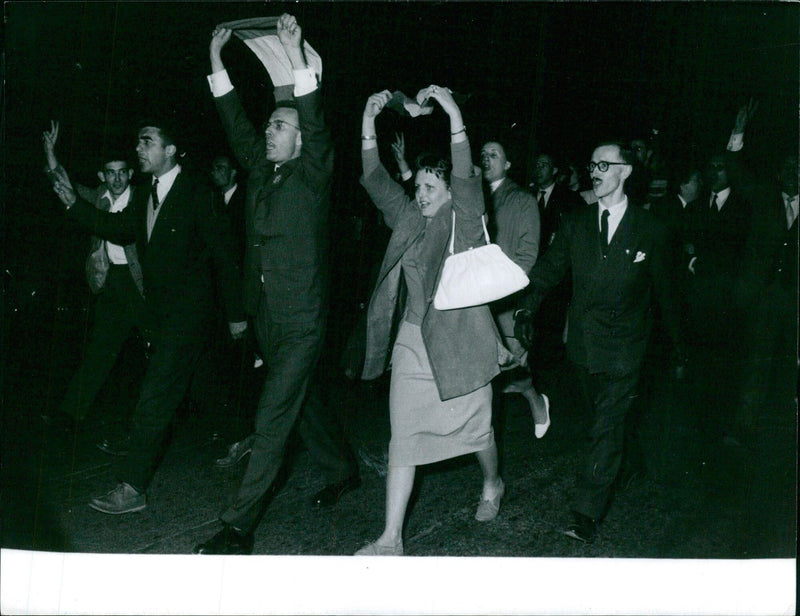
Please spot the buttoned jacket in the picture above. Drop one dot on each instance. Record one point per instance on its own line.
(610, 313)
(287, 213)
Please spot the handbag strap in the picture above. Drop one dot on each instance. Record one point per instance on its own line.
(453, 232)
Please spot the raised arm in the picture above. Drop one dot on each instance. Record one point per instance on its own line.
(49, 139)
(385, 193)
(247, 145)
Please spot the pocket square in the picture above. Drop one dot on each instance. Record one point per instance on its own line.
(639, 257)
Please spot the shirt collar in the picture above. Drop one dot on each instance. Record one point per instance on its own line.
(722, 197)
(496, 184)
(166, 181)
(126, 194)
(229, 193)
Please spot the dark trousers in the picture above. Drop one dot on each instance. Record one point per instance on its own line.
(225, 384)
(291, 395)
(609, 398)
(169, 373)
(119, 308)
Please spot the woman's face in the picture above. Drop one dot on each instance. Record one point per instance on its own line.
(432, 192)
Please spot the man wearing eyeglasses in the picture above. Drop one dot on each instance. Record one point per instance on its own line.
(290, 166)
(618, 256)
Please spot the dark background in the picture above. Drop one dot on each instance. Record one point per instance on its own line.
(553, 76)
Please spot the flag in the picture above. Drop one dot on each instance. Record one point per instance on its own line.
(260, 34)
(408, 106)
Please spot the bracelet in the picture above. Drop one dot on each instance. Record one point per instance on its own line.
(368, 138)
(463, 129)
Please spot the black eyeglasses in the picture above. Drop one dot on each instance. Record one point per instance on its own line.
(279, 125)
(602, 165)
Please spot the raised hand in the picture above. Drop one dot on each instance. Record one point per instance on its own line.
(376, 102)
(49, 138)
(442, 95)
(219, 38)
(399, 147)
(289, 32)
(746, 113)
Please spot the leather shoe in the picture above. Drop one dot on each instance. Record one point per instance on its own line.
(583, 529)
(375, 549)
(122, 499)
(118, 448)
(227, 541)
(331, 493)
(488, 509)
(236, 452)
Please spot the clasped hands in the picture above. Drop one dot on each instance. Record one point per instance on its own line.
(523, 327)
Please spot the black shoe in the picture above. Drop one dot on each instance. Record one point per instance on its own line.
(119, 448)
(583, 529)
(330, 494)
(227, 541)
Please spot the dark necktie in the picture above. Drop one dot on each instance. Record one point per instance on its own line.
(542, 202)
(604, 233)
(714, 208)
(154, 194)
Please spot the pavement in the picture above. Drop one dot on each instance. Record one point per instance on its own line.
(689, 502)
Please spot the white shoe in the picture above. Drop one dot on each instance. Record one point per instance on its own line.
(541, 429)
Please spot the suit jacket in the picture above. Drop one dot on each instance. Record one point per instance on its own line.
(562, 201)
(95, 196)
(177, 259)
(462, 344)
(771, 253)
(234, 211)
(610, 314)
(516, 220)
(286, 213)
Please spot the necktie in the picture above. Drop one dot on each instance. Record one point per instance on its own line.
(541, 199)
(154, 194)
(789, 212)
(714, 207)
(604, 233)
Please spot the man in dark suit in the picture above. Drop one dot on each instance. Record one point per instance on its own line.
(618, 257)
(113, 273)
(555, 201)
(515, 224)
(178, 237)
(715, 242)
(288, 200)
(224, 381)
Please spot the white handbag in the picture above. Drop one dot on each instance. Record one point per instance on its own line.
(477, 276)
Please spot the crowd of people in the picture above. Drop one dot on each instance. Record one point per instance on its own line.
(706, 254)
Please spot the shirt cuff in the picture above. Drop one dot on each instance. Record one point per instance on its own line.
(305, 81)
(736, 142)
(406, 175)
(220, 83)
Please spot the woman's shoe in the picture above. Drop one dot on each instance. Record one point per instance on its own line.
(488, 509)
(374, 549)
(541, 429)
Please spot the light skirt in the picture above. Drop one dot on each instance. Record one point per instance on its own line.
(426, 429)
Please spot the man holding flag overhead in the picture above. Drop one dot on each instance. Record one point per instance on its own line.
(288, 199)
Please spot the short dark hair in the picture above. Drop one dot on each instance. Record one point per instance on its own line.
(113, 155)
(437, 165)
(167, 128)
(287, 103)
(625, 152)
